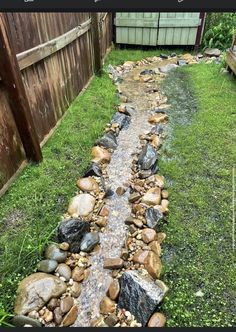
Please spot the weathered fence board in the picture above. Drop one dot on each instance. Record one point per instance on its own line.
(56, 57)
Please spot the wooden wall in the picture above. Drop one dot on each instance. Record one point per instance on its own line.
(56, 58)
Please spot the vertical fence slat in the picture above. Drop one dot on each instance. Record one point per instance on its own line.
(96, 43)
(11, 77)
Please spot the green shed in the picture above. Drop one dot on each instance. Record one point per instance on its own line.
(159, 28)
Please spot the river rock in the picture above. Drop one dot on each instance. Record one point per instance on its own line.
(212, 52)
(93, 170)
(140, 256)
(161, 237)
(155, 247)
(113, 263)
(122, 120)
(148, 235)
(47, 266)
(70, 317)
(108, 141)
(114, 289)
(111, 320)
(153, 217)
(47, 316)
(53, 252)
(78, 274)
(64, 246)
(140, 295)
(88, 184)
(72, 232)
(165, 69)
(107, 306)
(21, 321)
(36, 290)
(81, 205)
(66, 304)
(157, 118)
(135, 196)
(89, 242)
(147, 158)
(100, 155)
(57, 313)
(75, 289)
(53, 303)
(153, 265)
(152, 197)
(164, 194)
(164, 56)
(157, 320)
(64, 271)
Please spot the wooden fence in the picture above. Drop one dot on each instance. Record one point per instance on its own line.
(46, 59)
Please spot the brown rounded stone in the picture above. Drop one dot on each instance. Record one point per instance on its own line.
(66, 304)
(75, 289)
(140, 256)
(155, 247)
(100, 154)
(78, 274)
(157, 320)
(153, 265)
(107, 306)
(164, 194)
(161, 237)
(148, 235)
(113, 263)
(88, 184)
(71, 316)
(104, 212)
(114, 289)
(160, 181)
(53, 303)
(152, 197)
(64, 246)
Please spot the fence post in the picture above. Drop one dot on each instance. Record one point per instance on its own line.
(12, 80)
(96, 43)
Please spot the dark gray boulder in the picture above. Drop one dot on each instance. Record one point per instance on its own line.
(140, 295)
(153, 217)
(122, 120)
(147, 158)
(72, 232)
(108, 141)
(89, 241)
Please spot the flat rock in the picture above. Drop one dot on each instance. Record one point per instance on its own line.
(47, 266)
(139, 295)
(108, 141)
(140, 256)
(157, 118)
(70, 317)
(100, 155)
(121, 119)
(212, 52)
(21, 321)
(75, 289)
(153, 217)
(72, 232)
(157, 320)
(81, 205)
(113, 263)
(152, 197)
(165, 69)
(89, 241)
(78, 274)
(134, 197)
(147, 157)
(36, 290)
(53, 252)
(155, 247)
(66, 304)
(88, 184)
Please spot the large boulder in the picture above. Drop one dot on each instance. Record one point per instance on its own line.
(147, 158)
(122, 120)
(140, 295)
(81, 205)
(36, 290)
(153, 217)
(72, 231)
(108, 141)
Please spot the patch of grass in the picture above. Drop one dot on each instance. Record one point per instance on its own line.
(32, 207)
(198, 159)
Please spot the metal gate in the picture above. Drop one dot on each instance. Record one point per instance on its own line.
(159, 28)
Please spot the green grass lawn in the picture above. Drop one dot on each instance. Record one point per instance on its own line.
(199, 155)
(198, 160)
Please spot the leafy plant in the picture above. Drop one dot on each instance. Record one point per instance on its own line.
(4, 318)
(219, 30)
